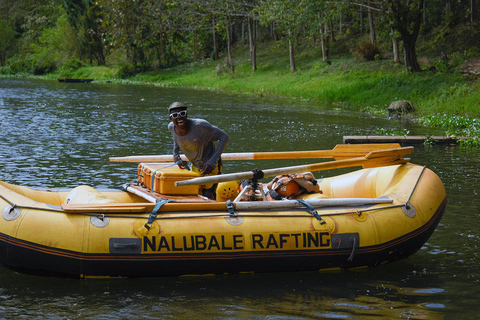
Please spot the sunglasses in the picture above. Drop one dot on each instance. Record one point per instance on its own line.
(175, 115)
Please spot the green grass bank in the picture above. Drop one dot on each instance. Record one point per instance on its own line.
(441, 94)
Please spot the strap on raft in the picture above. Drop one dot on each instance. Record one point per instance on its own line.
(310, 209)
(154, 213)
(231, 208)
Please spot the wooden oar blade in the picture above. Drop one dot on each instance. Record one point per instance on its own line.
(380, 163)
(387, 157)
(347, 151)
(393, 154)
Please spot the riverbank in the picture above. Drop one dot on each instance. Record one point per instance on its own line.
(442, 95)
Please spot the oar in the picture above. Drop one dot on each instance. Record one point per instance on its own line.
(341, 151)
(372, 159)
(218, 206)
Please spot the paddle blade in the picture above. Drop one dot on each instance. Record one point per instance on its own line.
(347, 151)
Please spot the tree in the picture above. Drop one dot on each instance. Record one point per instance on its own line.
(252, 19)
(373, 35)
(7, 39)
(326, 13)
(288, 14)
(85, 17)
(252, 41)
(406, 17)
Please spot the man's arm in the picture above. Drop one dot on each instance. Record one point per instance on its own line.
(222, 138)
(176, 150)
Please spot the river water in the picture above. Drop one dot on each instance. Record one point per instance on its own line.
(58, 135)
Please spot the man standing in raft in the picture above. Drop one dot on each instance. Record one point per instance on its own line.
(196, 137)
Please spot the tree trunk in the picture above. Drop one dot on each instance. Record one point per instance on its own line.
(229, 45)
(373, 36)
(332, 33)
(162, 49)
(396, 54)
(323, 38)
(424, 15)
(194, 45)
(215, 45)
(291, 51)
(410, 54)
(472, 7)
(274, 32)
(407, 19)
(341, 24)
(252, 36)
(360, 10)
(243, 31)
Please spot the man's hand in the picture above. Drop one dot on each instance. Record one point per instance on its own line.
(207, 169)
(183, 165)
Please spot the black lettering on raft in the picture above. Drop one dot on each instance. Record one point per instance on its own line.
(236, 242)
(199, 242)
(291, 241)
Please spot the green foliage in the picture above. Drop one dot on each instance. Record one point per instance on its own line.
(472, 52)
(71, 65)
(392, 131)
(51, 49)
(7, 40)
(126, 70)
(17, 65)
(441, 65)
(467, 129)
(169, 43)
(429, 140)
(368, 51)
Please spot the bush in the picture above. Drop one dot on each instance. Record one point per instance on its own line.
(472, 52)
(16, 65)
(126, 70)
(70, 66)
(367, 50)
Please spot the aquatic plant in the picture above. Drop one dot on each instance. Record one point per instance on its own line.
(466, 128)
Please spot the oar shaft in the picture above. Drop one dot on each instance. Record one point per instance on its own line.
(372, 159)
(341, 151)
(236, 156)
(272, 172)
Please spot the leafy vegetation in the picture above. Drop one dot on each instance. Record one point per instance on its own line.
(354, 54)
(465, 129)
(392, 132)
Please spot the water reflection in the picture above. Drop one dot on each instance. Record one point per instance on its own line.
(343, 295)
(61, 135)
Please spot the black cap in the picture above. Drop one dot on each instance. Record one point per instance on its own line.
(176, 105)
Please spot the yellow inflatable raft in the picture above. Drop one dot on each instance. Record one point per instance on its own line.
(364, 218)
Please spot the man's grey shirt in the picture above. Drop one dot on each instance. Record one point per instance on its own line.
(198, 144)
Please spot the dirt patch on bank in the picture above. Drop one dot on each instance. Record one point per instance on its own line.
(471, 68)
